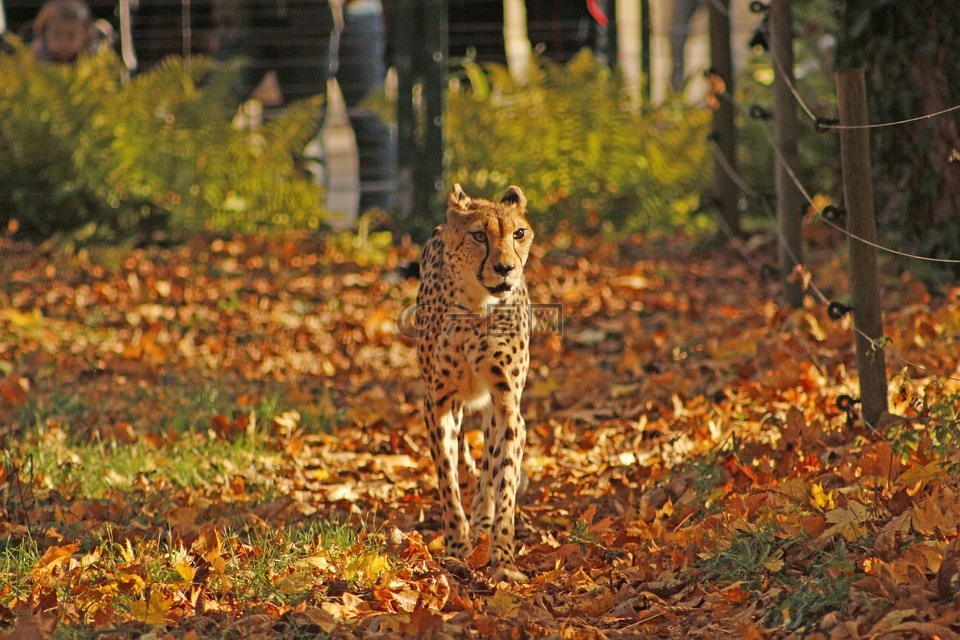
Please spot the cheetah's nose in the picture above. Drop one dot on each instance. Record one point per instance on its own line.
(503, 269)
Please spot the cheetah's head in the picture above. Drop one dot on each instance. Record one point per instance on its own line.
(487, 244)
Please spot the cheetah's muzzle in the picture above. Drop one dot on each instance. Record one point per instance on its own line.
(500, 288)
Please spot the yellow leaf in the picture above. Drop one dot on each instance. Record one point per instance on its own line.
(127, 552)
(849, 523)
(552, 576)
(632, 281)
(90, 559)
(186, 571)
(219, 564)
(366, 567)
(376, 565)
(287, 421)
(503, 603)
(316, 562)
(774, 565)
(153, 610)
(23, 320)
(296, 582)
(814, 327)
(820, 499)
(589, 337)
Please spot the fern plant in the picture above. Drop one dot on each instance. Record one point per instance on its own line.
(569, 138)
(80, 147)
(39, 126)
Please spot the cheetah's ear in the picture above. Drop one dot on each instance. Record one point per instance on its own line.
(514, 196)
(458, 200)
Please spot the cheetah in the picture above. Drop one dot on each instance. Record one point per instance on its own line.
(473, 328)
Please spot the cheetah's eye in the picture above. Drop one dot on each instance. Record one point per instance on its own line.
(519, 233)
(479, 236)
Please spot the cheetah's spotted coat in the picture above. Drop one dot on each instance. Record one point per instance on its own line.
(473, 351)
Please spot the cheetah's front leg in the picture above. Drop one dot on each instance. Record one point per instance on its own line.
(443, 428)
(509, 439)
(481, 512)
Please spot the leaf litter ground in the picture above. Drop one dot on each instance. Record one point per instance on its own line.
(222, 440)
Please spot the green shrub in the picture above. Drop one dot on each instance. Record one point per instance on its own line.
(568, 138)
(80, 147)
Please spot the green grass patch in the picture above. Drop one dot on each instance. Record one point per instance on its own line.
(934, 425)
(96, 469)
(809, 581)
(88, 450)
(17, 558)
(747, 560)
(307, 562)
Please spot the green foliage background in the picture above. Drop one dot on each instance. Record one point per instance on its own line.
(80, 147)
(568, 137)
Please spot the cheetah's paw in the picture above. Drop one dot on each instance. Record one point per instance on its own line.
(508, 574)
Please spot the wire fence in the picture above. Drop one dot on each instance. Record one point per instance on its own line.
(836, 310)
(822, 123)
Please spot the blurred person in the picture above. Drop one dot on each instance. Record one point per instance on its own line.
(679, 32)
(63, 29)
(294, 47)
(360, 70)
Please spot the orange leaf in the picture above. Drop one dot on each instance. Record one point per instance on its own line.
(14, 389)
(52, 558)
(478, 557)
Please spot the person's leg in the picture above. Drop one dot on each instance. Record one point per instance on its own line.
(680, 29)
(360, 72)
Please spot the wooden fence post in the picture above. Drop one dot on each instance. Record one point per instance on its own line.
(789, 199)
(724, 129)
(858, 200)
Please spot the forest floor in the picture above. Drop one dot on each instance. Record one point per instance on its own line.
(223, 440)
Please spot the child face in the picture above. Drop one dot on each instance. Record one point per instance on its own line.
(65, 40)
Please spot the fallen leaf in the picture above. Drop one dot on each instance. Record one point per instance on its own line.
(152, 609)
